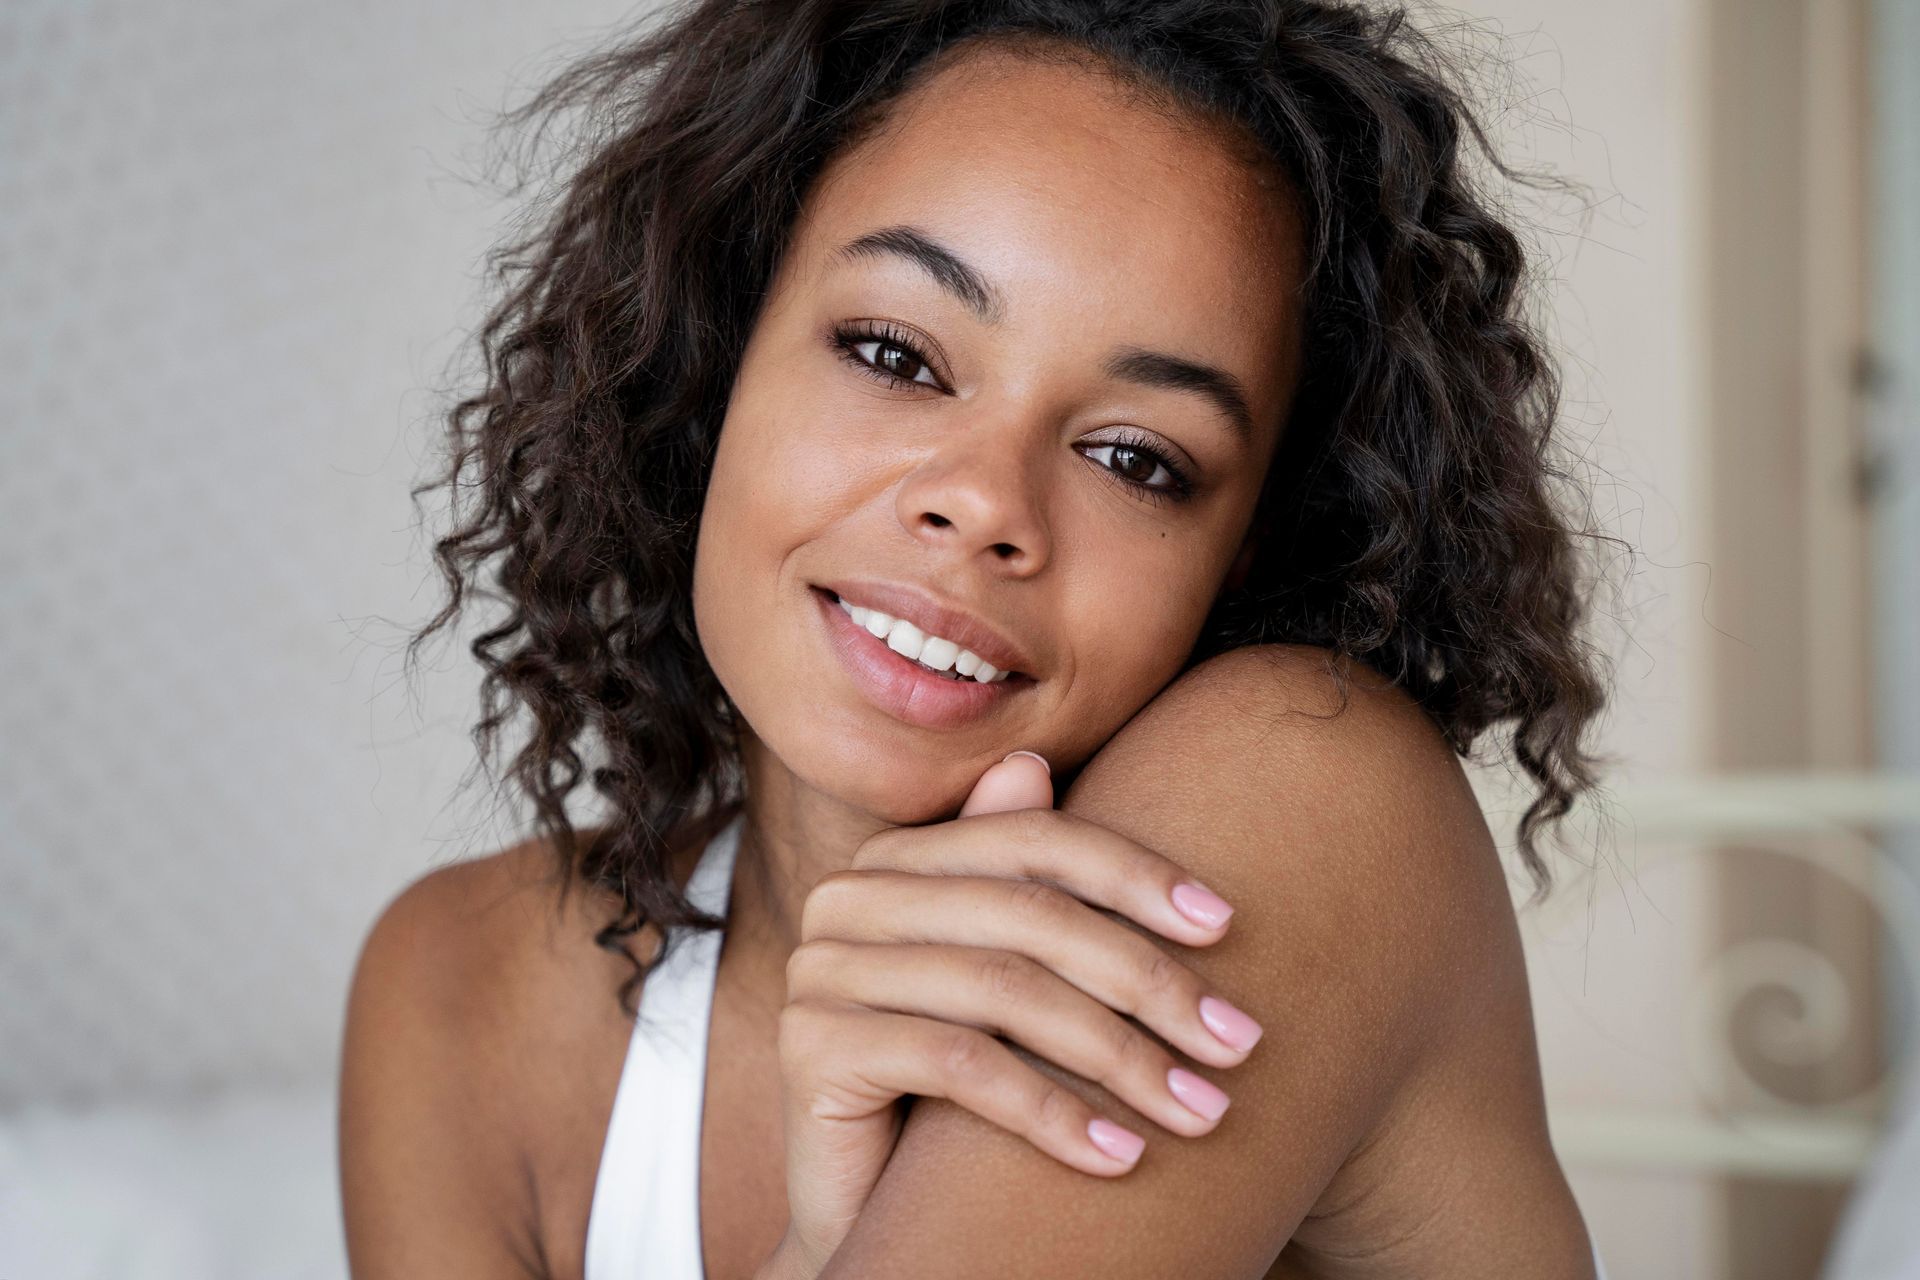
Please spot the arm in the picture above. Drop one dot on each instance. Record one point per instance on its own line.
(429, 1169)
(1372, 921)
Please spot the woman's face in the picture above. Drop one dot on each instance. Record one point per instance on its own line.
(1116, 325)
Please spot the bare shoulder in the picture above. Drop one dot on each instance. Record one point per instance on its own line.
(1373, 935)
(1296, 699)
(484, 945)
(1389, 1123)
(1321, 798)
(481, 1031)
(1332, 803)
(1318, 785)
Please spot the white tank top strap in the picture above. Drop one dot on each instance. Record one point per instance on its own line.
(644, 1222)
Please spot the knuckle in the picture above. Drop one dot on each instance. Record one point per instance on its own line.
(828, 901)
(807, 1047)
(1145, 872)
(1129, 1052)
(1163, 978)
(876, 849)
(808, 962)
(1006, 975)
(1033, 827)
(1154, 874)
(798, 1029)
(1056, 1110)
(1038, 901)
(963, 1055)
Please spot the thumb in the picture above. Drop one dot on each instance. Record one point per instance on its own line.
(1023, 780)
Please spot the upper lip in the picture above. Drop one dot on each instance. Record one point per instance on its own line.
(936, 617)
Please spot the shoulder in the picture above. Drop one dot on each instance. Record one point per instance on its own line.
(1291, 699)
(479, 944)
(1286, 744)
(1322, 800)
(466, 985)
(1373, 936)
(1376, 924)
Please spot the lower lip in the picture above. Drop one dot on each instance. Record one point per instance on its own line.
(902, 687)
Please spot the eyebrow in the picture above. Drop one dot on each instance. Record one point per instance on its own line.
(1138, 365)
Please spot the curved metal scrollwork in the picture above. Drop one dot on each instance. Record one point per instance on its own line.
(1816, 821)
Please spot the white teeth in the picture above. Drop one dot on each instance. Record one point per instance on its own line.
(909, 641)
(905, 639)
(937, 653)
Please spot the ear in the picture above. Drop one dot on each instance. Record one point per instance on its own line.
(1242, 562)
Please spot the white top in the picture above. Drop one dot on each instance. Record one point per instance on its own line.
(644, 1223)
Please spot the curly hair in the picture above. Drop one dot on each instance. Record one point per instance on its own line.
(1409, 519)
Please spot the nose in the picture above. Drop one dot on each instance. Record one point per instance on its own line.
(976, 497)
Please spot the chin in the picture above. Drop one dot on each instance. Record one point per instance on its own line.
(864, 775)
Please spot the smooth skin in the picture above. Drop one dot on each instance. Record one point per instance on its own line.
(1389, 1122)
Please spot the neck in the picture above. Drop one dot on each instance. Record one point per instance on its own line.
(796, 834)
(792, 837)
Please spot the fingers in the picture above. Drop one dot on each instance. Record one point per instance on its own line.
(1094, 863)
(1116, 966)
(899, 1053)
(940, 938)
(1004, 993)
(1024, 780)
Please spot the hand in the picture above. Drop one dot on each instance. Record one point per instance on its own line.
(940, 938)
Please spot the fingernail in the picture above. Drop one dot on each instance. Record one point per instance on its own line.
(1234, 1028)
(1202, 906)
(1035, 754)
(1198, 1096)
(1115, 1141)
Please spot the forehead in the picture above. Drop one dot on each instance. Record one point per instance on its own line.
(1076, 199)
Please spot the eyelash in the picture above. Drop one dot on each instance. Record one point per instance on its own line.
(847, 337)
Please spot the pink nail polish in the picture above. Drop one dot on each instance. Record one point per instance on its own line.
(1234, 1028)
(1115, 1141)
(1200, 905)
(1199, 1096)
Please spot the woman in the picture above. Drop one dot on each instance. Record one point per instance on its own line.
(899, 387)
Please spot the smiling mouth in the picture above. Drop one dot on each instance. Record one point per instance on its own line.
(952, 673)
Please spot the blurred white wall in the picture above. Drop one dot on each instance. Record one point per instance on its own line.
(237, 250)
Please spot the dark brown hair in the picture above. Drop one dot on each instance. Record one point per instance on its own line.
(1410, 518)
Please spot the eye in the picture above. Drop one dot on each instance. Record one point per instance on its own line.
(895, 361)
(1135, 460)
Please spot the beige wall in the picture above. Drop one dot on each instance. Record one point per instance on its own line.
(1712, 311)
(1621, 106)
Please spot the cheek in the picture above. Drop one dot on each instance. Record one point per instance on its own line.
(826, 476)
(773, 473)
(795, 454)
(1148, 615)
(737, 548)
(777, 483)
